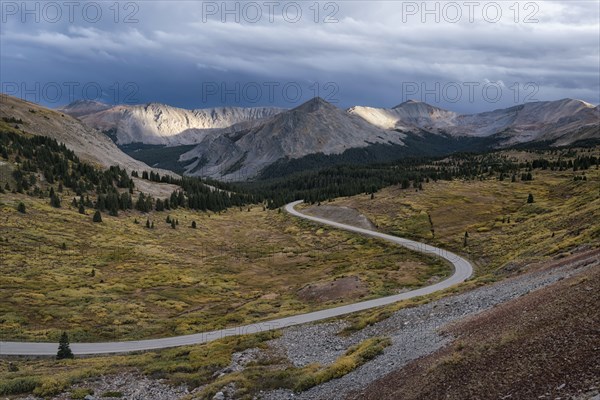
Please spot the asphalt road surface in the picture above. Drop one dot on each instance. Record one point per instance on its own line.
(462, 271)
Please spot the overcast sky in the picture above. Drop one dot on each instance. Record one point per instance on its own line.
(464, 56)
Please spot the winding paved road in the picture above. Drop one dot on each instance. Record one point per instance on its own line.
(462, 270)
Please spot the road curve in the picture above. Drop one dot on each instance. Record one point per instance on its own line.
(462, 271)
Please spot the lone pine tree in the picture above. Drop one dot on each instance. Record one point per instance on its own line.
(97, 217)
(64, 350)
(54, 199)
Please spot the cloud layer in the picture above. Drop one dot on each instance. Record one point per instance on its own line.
(459, 55)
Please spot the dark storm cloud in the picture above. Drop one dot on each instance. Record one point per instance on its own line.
(370, 53)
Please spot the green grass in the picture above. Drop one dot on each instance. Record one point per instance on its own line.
(119, 280)
(194, 366)
(18, 385)
(269, 375)
(354, 358)
(80, 393)
(563, 216)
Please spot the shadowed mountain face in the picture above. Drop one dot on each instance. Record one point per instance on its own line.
(238, 143)
(81, 108)
(313, 127)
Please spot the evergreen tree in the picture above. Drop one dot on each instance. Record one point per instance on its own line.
(54, 199)
(142, 203)
(530, 198)
(465, 239)
(193, 224)
(168, 219)
(97, 217)
(174, 200)
(152, 226)
(148, 223)
(81, 209)
(64, 349)
(149, 203)
(173, 224)
(21, 208)
(125, 201)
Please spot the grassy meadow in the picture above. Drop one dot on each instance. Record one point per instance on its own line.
(119, 280)
(505, 232)
(196, 366)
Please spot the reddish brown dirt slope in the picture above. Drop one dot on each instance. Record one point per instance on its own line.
(545, 345)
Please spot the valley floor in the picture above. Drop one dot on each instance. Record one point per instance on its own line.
(532, 304)
(530, 336)
(119, 280)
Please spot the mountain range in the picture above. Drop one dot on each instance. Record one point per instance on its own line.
(536, 121)
(89, 144)
(160, 124)
(233, 143)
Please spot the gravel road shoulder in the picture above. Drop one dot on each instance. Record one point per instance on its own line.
(415, 332)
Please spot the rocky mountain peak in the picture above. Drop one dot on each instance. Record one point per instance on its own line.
(315, 104)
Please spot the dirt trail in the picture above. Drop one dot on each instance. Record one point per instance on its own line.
(343, 215)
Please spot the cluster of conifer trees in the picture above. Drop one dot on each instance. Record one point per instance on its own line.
(58, 165)
(113, 188)
(339, 181)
